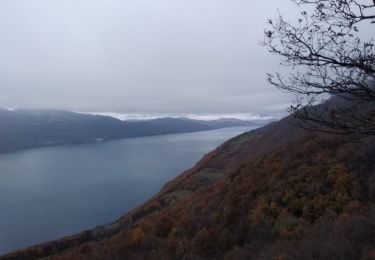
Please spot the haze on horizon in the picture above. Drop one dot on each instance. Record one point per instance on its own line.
(139, 56)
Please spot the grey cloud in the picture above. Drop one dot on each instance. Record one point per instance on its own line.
(185, 56)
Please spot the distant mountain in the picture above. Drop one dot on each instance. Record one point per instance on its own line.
(24, 129)
(228, 122)
(278, 192)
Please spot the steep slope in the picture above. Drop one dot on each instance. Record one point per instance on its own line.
(278, 192)
(24, 129)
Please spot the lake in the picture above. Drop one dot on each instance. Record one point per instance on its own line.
(52, 192)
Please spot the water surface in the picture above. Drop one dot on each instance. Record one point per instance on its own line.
(57, 191)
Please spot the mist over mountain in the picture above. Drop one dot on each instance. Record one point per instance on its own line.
(197, 116)
(292, 84)
(24, 129)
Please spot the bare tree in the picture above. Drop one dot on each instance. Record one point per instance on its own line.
(330, 53)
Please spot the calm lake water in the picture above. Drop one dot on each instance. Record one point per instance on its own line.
(57, 191)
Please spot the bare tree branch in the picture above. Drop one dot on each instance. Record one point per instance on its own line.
(327, 57)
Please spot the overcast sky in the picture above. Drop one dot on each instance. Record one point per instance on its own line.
(139, 56)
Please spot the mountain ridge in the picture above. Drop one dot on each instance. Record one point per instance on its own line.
(25, 129)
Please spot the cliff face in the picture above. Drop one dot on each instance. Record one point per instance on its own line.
(277, 192)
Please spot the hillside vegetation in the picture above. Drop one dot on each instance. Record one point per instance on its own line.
(278, 192)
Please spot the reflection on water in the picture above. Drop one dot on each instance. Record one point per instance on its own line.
(52, 192)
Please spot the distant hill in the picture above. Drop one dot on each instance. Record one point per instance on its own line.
(24, 129)
(279, 192)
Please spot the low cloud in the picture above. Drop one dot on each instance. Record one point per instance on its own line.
(142, 56)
